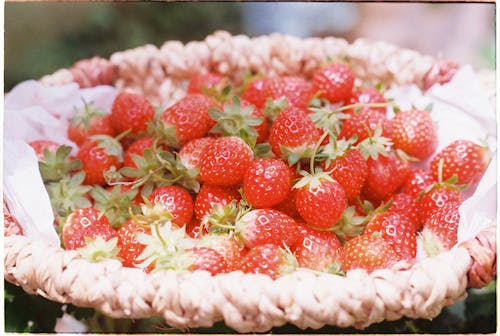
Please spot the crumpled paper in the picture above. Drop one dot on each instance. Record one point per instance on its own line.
(461, 109)
(31, 112)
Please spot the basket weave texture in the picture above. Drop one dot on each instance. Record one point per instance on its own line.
(249, 302)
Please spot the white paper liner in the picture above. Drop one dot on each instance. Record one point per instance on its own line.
(461, 109)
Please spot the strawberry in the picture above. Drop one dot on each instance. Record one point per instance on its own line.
(463, 158)
(418, 180)
(266, 226)
(266, 183)
(318, 250)
(288, 205)
(396, 228)
(363, 125)
(87, 122)
(226, 245)
(225, 161)
(85, 223)
(440, 230)
(367, 96)
(346, 165)
(436, 197)
(189, 116)
(320, 200)
(382, 179)
(175, 200)
(204, 82)
(268, 259)
(130, 248)
(136, 148)
(334, 82)
(295, 90)
(212, 195)
(253, 92)
(131, 111)
(293, 135)
(369, 252)
(191, 152)
(206, 259)
(194, 229)
(406, 204)
(39, 146)
(414, 132)
(98, 154)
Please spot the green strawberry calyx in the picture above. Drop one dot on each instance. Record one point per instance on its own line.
(98, 249)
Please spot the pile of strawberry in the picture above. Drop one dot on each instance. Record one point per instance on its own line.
(269, 176)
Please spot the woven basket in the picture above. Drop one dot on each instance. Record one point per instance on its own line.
(250, 302)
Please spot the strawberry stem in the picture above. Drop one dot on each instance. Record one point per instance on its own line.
(315, 151)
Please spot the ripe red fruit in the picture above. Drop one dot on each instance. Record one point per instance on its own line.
(367, 95)
(406, 204)
(40, 145)
(254, 93)
(463, 158)
(130, 248)
(131, 111)
(334, 82)
(190, 117)
(296, 90)
(227, 246)
(417, 181)
(293, 134)
(320, 200)
(382, 179)
(191, 152)
(177, 201)
(266, 226)
(414, 132)
(268, 259)
(440, 230)
(98, 154)
(437, 197)
(203, 81)
(398, 229)
(363, 124)
(85, 222)
(89, 121)
(225, 161)
(369, 252)
(267, 182)
(210, 195)
(318, 250)
(206, 259)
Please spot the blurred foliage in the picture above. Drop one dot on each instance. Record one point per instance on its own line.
(30, 313)
(69, 31)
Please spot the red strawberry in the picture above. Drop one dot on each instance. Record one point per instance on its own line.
(367, 95)
(190, 117)
(85, 223)
(130, 248)
(193, 229)
(296, 90)
(177, 201)
(418, 180)
(463, 158)
(398, 229)
(131, 111)
(267, 182)
(268, 259)
(211, 195)
(206, 259)
(254, 92)
(437, 197)
(204, 81)
(414, 132)
(406, 204)
(225, 161)
(369, 252)
(227, 246)
(191, 152)
(87, 122)
(288, 205)
(345, 165)
(266, 226)
(320, 200)
(318, 250)
(334, 82)
(440, 230)
(382, 179)
(40, 145)
(293, 135)
(136, 148)
(98, 154)
(363, 125)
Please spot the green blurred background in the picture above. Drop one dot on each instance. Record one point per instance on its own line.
(43, 37)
